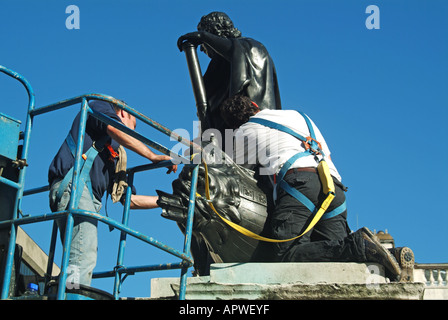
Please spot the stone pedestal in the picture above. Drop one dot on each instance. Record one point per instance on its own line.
(290, 281)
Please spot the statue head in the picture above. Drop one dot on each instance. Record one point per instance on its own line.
(219, 24)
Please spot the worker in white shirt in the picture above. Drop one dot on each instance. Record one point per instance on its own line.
(270, 141)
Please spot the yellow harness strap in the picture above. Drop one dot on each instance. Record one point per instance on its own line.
(328, 186)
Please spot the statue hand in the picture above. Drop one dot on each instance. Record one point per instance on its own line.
(194, 38)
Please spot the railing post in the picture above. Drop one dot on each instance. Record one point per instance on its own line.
(189, 231)
(54, 235)
(9, 262)
(122, 244)
(75, 193)
(21, 180)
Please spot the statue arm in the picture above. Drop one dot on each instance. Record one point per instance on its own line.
(220, 45)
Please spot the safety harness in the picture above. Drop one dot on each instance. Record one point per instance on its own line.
(84, 174)
(312, 148)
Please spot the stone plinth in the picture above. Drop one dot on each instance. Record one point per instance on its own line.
(261, 281)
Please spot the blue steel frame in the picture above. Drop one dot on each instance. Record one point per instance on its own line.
(119, 269)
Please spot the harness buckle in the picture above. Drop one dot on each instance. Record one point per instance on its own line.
(97, 148)
(308, 146)
(113, 154)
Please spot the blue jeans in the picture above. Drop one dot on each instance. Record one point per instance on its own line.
(84, 247)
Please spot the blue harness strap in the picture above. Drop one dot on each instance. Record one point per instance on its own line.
(84, 175)
(312, 151)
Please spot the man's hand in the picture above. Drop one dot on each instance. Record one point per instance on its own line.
(161, 157)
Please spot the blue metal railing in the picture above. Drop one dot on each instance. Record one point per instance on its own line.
(119, 269)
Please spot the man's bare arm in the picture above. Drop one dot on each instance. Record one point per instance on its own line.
(143, 202)
(137, 146)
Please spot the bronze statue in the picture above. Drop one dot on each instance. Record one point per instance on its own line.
(237, 195)
(239, 65)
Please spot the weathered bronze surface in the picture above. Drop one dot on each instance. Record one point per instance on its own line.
(237, 195)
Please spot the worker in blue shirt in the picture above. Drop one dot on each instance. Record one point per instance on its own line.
(83, 251)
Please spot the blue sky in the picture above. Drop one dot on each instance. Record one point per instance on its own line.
(379, 97)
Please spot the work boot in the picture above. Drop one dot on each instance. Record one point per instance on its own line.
(375, 252)
(406, 260)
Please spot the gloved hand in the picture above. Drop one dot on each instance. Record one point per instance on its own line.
(195, 38)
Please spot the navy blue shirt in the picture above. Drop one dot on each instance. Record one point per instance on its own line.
(103, 168)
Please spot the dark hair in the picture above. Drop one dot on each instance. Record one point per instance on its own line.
(237, 110)
(219, 24)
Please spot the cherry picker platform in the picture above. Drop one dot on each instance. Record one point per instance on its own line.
(13, 166)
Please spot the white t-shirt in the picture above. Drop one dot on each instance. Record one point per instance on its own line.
(271, 148)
